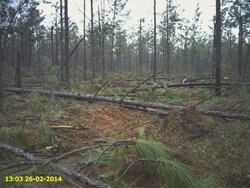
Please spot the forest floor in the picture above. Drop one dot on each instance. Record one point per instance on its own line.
(222, 151)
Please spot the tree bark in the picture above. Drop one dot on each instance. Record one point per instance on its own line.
(246, 60)
(154, 62)
(218, 49)
(1, 61)
(92, 40)
(66, 47)
(56, 39)
(112, 38)
(103, 41)
(52, 45)
(18, 70)
(240, 45)
(84, 42)
(61, 42)
(168, 40)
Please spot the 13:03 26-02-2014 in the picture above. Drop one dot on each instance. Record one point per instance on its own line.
(48, 179)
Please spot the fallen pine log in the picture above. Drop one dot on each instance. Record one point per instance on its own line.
(186, 84)
(206, 84)
(92, 98)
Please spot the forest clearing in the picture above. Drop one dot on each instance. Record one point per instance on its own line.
(93, 102)
(207, 144)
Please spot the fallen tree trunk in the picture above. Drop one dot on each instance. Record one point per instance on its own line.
(86, 97)
(186, 84)
(63, 170)
(207, 84)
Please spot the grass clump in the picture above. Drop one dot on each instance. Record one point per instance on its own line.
(146, 93)
(168, 93)
(171, 172)
(45, 134)
(6, 135)
(202, 94)
(13, 136)
(20, 138)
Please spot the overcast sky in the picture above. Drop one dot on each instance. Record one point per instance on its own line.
(139, 9)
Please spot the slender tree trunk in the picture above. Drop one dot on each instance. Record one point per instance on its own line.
(129, 58)
(164, 54)
(75, 63)
(103, 41)
(18, 70)
(56, 38)
(61, 42)
(140, 49)
(66, 48)
(213, 58)
(84, 42)
(52, 45)
(112, 38)
(1, 60)
(230, 42)
(92, 40)
(29, 50)
(38, 61)
(246, 60)
(185, 56)
(168, 39)
(99, 64)
(218, 49)
(154, 66)
(240, 45)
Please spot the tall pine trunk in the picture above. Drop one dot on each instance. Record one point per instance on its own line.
(154, 62)
(61, 42)
(103, 41)
(218, 49)
(92, 40)
(84, 42)
(66, 48)
(240, 45)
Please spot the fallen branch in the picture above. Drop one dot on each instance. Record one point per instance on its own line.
(123, 142)
(86, 97)
(211, 96)
(99, 89)
(102, 153)
(71, 173)
(134, 163)
(18, 165)
(19, 152)
(134, 89)
(238, 102)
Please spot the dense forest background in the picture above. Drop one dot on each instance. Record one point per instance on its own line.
(30, 49)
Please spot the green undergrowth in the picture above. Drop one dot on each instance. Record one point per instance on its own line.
(153, 157)
(18, 137)
(13, 136)
(35, 104)
(163, 95)
(46, 137)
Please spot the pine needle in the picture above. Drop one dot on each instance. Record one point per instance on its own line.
(170, 171)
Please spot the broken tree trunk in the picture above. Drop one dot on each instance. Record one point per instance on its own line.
(92, 98)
